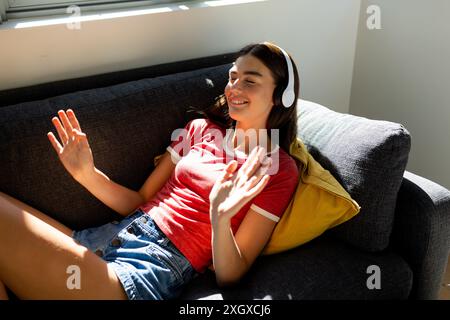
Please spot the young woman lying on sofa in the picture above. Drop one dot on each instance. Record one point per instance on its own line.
(213, 199)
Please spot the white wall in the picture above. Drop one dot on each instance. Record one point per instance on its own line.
(321, 36)
(402, 74)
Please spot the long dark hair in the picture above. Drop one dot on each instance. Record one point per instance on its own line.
(284, 119)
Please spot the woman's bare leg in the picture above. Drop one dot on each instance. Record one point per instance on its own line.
(6, 200)
(38, 255)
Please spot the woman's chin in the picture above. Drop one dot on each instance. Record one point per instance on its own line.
(235, 114)
(236, 110)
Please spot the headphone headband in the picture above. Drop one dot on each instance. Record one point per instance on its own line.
(288, 96)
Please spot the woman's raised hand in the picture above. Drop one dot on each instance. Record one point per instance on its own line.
(73, 151)
(234, 188)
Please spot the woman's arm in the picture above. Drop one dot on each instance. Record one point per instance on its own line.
(76, 155)
(233, 255)
(115, 196)
(158, 177)
(124, 200)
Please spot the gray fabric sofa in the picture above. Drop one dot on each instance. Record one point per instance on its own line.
(403, 228)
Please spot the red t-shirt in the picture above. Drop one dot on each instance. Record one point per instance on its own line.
(181, 207)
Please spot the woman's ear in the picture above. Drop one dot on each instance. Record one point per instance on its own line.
(277, 96)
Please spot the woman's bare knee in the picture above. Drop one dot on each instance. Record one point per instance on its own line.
(37, 262)
(51, 254)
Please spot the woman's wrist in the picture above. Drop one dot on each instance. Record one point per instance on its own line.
(219, 221)
(86, 176)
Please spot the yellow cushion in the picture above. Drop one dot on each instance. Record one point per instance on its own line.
(319, 203)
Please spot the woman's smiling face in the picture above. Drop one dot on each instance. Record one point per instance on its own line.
(249, 92)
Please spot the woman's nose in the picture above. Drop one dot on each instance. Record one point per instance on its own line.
(235, 85)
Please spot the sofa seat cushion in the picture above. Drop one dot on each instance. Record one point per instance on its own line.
(368, 157)
(324, 268)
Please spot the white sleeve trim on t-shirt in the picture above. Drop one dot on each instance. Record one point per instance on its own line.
(174, 154)
(265, 213)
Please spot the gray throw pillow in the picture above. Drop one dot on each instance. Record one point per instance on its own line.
(368, 157)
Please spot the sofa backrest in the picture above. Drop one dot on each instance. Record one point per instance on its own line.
(127, 125)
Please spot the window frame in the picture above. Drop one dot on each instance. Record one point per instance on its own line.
(17, 9)
(57, 3)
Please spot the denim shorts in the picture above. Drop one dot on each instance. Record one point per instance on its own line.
(147, 264)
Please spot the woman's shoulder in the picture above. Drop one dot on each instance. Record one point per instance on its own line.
(203, 123)
(287, 164)
(284, 172)
(199, 122)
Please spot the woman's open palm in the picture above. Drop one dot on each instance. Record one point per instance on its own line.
(234, 189)
(73, 151)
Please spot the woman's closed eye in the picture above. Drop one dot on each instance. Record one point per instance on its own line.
(246, 80)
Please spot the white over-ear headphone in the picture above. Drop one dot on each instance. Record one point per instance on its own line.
(288, 96)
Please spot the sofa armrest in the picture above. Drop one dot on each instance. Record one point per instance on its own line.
(421, 232)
